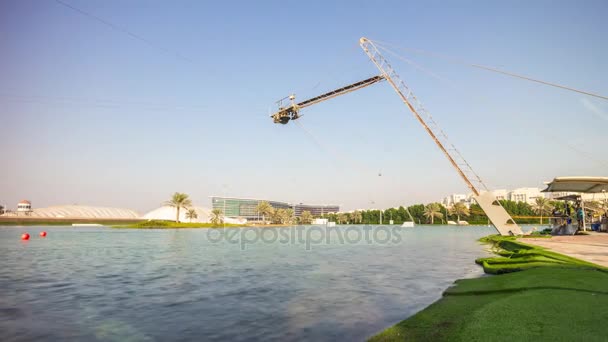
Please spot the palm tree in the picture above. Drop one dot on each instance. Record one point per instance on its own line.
(178, 201)
(306, 217)
(600, 208)
(264, 208)
(217, 217)
(191, 214)
(281, 216)
(541, 206)
(356, 217)
(287, 217)
(459, 209)
(342, 217)
(431, 211)
(275, 215)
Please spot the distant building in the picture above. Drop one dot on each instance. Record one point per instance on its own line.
(246, 208)
(315, 210)
(501, 194)
(528, 195)
(452, 199)
(24, 206)
(243, 207)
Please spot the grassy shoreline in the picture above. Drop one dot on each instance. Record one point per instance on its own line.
(534, 294)
(136, 224)
(122, 224)
(158, 224)
(26, 221)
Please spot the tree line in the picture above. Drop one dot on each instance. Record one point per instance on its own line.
(431, 213)
(436, 213)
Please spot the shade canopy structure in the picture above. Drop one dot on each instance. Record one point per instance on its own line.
(589, 185)
(569, 198)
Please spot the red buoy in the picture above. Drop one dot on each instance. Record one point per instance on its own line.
(43, 234)
(25, 236)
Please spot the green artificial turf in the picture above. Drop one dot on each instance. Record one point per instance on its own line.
(538, 296)
(517, 256)
(159, 224)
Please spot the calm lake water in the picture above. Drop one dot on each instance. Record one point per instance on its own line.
(97, 283)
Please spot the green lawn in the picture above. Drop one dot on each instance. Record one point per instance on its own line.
(148, 224)
(158, 224)
(541, 296)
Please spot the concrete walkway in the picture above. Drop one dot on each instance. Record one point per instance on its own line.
(592, 247)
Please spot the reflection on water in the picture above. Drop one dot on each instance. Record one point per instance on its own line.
(154, 285)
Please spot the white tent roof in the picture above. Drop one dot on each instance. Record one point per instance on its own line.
(84, 211)
(578, 184)
(168, 213)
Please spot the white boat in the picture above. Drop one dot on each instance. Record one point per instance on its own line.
(459, 223)
(320, 221)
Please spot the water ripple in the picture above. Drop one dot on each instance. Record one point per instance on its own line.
(100, 284)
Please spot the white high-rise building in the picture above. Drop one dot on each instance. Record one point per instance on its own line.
(452, 199)
(528, 195)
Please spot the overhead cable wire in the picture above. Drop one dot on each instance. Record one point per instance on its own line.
(579, 151)
(362, 168)
(495, 70)
(337, 73)
(123, 30)
(96, 103)
(451, 84)
(420, 67)
(454, 86)
(332, 152)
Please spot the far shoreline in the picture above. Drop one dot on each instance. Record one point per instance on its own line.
(11, 221)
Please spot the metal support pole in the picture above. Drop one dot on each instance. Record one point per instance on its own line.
(584, 216)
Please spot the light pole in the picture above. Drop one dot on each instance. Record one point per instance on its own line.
(224, 213)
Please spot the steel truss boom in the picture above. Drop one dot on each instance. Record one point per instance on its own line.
(499, 217)
(495, 212)
(291, 112)
(341, 91)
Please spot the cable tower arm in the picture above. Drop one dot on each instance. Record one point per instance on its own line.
(292, 110)
(495, 212)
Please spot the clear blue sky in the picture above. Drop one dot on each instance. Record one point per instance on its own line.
(92, 115)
